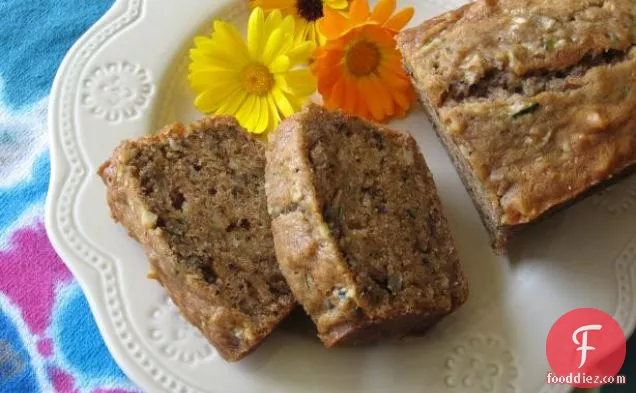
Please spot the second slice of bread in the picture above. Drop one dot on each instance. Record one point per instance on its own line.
(358, 227)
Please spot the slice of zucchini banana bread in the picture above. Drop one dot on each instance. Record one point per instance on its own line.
(358, 227)
(534, 100)
(194, 197)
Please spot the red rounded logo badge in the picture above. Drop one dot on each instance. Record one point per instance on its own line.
(585, 348)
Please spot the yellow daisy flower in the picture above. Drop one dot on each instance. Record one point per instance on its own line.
(306, 12)
(258, 82)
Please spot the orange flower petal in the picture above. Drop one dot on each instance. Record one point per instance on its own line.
(370, 97)
(327, 72)
(403, 98)
(383, 95)
(333, 24)
(395, 78)
(383, 11)
(334, 57)
(351, 96)
(359, 12)
(362, 105)
(401, 19)
(362, 109)
(336, 98)
(384, 37)
(327, 81)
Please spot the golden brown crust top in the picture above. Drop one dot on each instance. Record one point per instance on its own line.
(538, 95)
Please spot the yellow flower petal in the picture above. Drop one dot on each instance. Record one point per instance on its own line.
(228, 33)
(212, 48)
(300, 83)
(301, 53)
(254, 115)
(312, 34)
(255, 32)
(274, 117)
(288, 43)
(212, 54)
(296, 102)
(208, 101)
(273, 21)
(245, 112)
(288, 25)
(232, 103)
(213, 79)
(281, 82)
(282, 103)
(272, 46)
(281, 64)
(202, 42)
(263, 119)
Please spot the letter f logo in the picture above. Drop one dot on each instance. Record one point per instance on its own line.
(583, 343)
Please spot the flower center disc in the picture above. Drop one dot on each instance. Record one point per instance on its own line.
(363, 58)
(310, 10)
(257, 79)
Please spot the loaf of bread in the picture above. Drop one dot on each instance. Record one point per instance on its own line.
(194, 197)
(359, 230)
(535, 100)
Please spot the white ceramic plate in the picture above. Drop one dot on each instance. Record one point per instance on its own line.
(127, 76)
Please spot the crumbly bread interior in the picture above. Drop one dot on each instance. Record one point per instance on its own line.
(381, 210)
(207, 192)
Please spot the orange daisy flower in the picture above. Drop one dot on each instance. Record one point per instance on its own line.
(360, 71)
(335, 24)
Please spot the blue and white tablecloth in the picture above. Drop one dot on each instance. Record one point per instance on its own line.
(48, 338)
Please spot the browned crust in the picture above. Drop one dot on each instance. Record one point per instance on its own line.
(580, 181)
(191, 296)
(309, 257)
